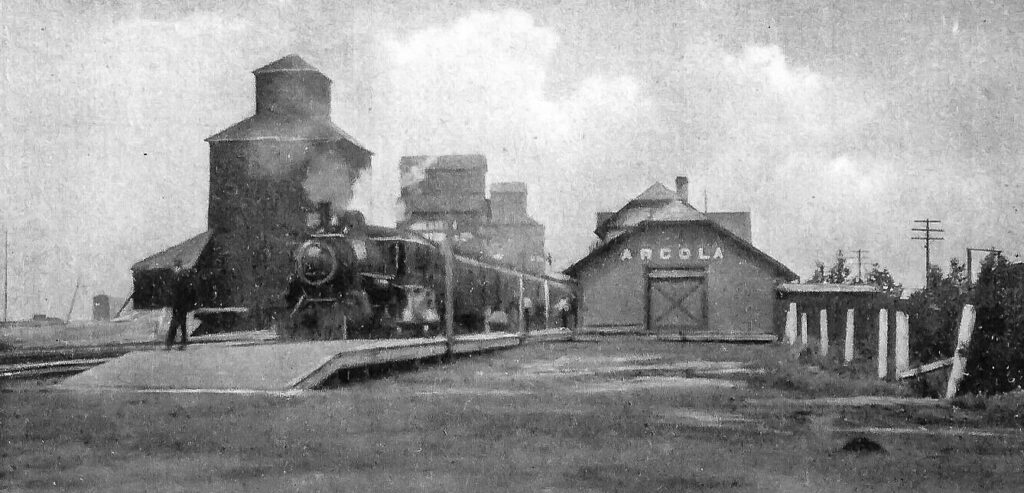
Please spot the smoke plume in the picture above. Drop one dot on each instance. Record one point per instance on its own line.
(330, 178)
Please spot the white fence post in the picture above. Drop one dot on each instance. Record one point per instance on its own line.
(521, 308)
(803, 329)
(883, 343)
(848, 343)
(963, 339)
(823, 332)
(547, 305)
(449, 296)
(902, 359)
(791, 324)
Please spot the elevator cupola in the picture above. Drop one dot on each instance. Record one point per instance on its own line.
(292, 87)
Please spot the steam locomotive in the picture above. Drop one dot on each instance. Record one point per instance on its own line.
(353, 280)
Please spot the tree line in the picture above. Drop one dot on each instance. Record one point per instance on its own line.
(839, 273)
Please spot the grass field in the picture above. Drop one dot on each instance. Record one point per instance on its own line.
(622, 414)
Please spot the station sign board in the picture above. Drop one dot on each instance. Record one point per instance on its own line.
(646, 253)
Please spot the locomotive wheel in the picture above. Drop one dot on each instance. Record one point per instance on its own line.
(355, 306)
(384, 325)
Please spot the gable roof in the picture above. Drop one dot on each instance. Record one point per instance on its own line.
(187, 252)
(672, 209)
(290, 63)
(655, 193)
(644, 225)
(677, 211)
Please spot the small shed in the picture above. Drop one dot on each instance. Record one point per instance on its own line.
(837, 302)
(152, 276)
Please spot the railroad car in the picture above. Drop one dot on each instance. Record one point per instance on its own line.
(352, 280)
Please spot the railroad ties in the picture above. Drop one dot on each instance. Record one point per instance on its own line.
(277, 367)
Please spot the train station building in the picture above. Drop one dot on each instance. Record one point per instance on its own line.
(663, 267)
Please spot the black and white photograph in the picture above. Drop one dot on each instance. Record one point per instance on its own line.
(533, 245)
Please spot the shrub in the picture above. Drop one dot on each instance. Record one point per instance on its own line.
(995, 358)
(934, 313)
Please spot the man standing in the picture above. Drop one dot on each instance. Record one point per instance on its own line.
(527, 313)
(563, 311)
(181, 303)
(574, 307)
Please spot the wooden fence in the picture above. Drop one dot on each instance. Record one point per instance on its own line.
(796, 332)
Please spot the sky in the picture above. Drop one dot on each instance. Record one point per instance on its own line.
(835, 124)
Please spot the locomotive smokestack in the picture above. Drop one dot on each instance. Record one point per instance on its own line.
(324, 210)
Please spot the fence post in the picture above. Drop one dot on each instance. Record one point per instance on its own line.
(902, 359)
(791, 324)
(522, 323)
(803, 329)
(883, 343)
(848, 343)
(823, 332)
(963, 339)
(547, 305)
(449, 295)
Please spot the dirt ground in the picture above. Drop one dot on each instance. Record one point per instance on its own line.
(622, 414)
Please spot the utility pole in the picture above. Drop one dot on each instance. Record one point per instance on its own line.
(74, 296)
(970, 263)
(928, 230)
(6, 260)
(860, 261)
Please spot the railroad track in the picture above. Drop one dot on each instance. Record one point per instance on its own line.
(47, 368)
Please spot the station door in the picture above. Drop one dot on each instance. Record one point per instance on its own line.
(676, 301)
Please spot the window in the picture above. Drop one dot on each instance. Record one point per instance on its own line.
(396, 258)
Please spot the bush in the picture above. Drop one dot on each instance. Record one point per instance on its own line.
(935, 312)
(995, 358)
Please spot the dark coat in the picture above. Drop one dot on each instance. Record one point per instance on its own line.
(183, 297)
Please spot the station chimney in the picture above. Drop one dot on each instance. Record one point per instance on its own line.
(682, 189)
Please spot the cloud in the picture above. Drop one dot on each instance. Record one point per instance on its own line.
(111, 163)
(479, 84)
(759, 133)
(108, 118)
(767, 65)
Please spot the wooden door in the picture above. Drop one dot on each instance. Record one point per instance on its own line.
(676, 302)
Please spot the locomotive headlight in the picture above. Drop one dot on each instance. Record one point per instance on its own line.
(316, 262)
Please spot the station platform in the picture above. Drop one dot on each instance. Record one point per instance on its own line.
(741, 337)
(276, 367)
(549, 335)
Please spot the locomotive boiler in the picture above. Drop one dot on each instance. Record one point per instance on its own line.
(353, 280)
